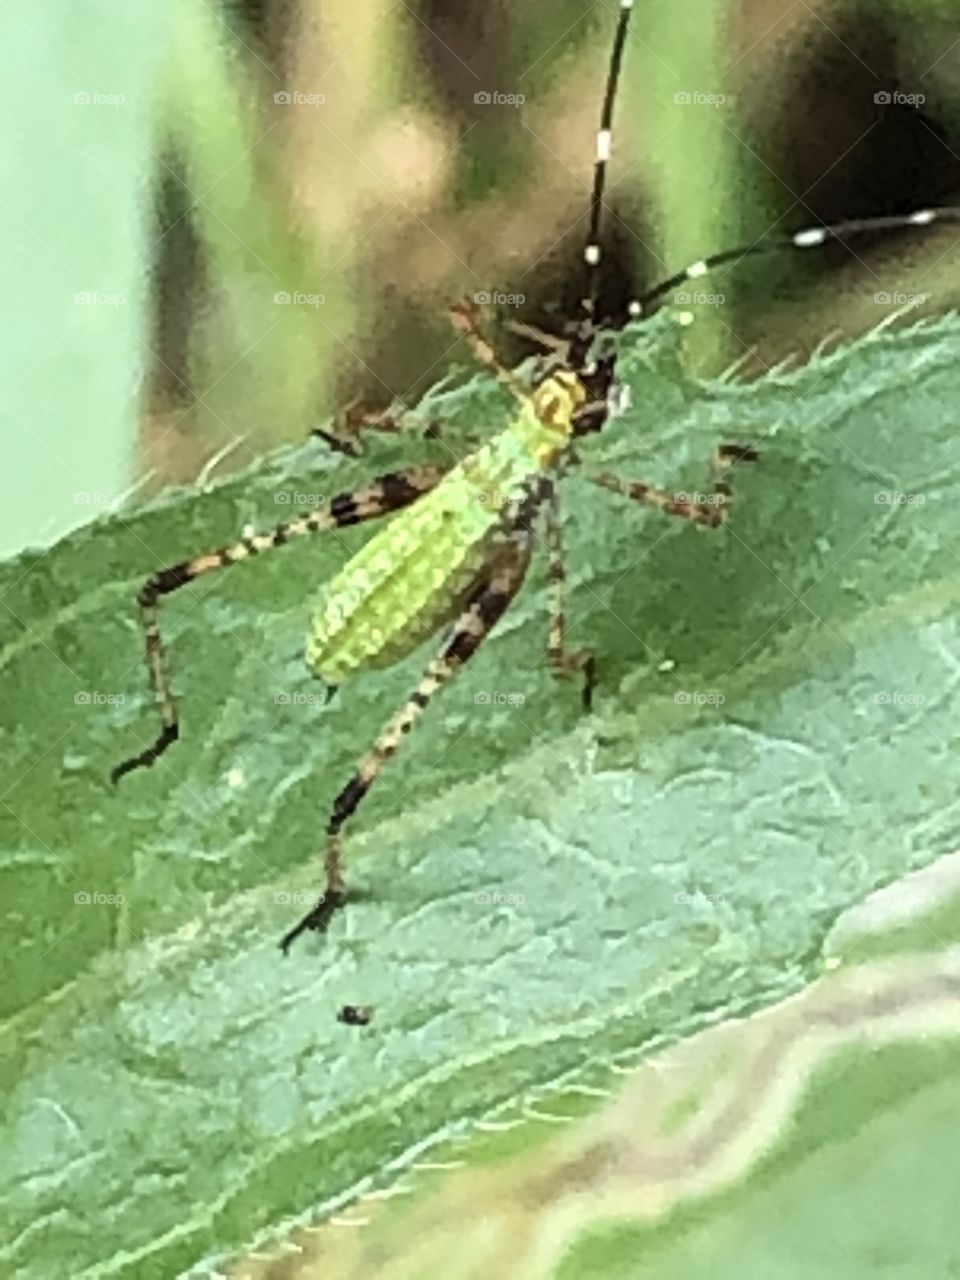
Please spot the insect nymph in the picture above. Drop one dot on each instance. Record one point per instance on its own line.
(456, 552)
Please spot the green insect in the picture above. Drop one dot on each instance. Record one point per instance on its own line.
(457, 550)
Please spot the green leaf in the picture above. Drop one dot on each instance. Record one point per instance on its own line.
(795, 1140)
(774, 737)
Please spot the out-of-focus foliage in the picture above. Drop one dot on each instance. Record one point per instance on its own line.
(74, 224)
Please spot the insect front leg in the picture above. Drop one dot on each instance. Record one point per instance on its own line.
(388, 493)
(347, 434)
(465, 319)
(487, 606)
(710, 509)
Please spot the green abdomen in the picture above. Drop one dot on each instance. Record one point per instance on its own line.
(412, 578)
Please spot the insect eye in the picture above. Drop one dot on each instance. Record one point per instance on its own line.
(590, 419)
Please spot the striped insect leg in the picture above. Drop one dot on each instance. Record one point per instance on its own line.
(563, 661)
(486, 607)
(346, 435)
(710, 509)
(388, 493)
(465, 319)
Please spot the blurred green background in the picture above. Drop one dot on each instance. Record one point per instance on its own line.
(186, 169)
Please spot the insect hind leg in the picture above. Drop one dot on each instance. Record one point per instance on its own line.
(487, 606)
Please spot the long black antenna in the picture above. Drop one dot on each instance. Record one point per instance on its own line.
(808, 238)
(776, 242)
(592, 252)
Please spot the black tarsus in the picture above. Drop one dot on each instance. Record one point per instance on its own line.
(317, 919)
(169, 734)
